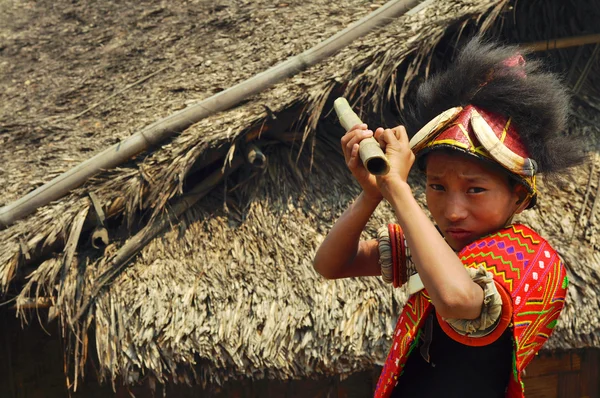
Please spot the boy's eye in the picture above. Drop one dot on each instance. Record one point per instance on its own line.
(476, 190)
(436, 187)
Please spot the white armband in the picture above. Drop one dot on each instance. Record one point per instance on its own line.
(490, 310)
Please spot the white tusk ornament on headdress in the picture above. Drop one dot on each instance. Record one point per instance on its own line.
(497, 150)
(435, 125)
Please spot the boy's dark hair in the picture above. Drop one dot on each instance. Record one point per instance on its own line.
(536, 100)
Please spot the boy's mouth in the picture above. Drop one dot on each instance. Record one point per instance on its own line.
(459, 234)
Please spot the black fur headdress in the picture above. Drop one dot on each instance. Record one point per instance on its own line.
(535, 100)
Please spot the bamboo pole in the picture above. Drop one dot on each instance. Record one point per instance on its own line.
(43, 248)
(564, 42)
(158, 131)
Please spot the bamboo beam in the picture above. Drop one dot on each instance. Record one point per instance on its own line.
(563, 42)
(162, 129)
(255, 157)
(34, 255)
(33, 303)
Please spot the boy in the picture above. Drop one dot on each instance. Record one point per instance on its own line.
(493, 290)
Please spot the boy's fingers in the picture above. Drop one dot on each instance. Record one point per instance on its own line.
(353, 133)
(357, 138)
(354, 153)
(401, 135)
(353, 162)
(346, 137)
(386, 137)
(345, 141)
(362, 126)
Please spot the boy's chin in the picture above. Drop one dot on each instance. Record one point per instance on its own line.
(458, 244)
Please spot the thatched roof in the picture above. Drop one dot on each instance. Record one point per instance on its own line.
(230, 286)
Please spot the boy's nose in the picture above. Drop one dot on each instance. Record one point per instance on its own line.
(455, 210)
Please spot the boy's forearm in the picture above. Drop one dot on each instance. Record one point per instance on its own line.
(341, 243)
(440, 269)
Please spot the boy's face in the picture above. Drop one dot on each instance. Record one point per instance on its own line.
(467, 198)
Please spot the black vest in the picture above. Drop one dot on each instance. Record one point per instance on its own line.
(455, 369)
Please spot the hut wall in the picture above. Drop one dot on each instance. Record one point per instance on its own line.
(572, 374)
(31, 362)
(32, 366)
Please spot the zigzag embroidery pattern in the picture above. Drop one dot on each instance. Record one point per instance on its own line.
(537, 264)
(516, 239)
(520, 229)
(490, 266)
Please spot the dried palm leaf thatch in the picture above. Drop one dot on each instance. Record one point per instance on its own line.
(242, 296)
(128, 342)
(150, 184)
(164, 128)
(231, 287)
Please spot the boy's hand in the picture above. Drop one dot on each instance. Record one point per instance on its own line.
(394, 142)
(350, 143)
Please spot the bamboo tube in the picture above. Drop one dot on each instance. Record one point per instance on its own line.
(369, 150)
(158, 131)
(256, 157)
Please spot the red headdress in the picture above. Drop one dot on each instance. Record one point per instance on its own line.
(493, 105)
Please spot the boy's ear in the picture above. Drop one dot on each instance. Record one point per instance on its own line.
(523, 198)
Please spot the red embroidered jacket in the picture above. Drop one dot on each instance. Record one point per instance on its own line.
(532, 281)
